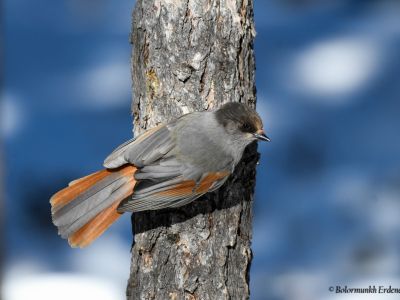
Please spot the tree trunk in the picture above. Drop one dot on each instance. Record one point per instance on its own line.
(191, 55)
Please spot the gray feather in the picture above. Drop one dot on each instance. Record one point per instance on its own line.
(170, 161)
(158, 171)
(154, 202)
(68, 229)
(162, 186)
(85, 202)
(152, 198)
(142, 150)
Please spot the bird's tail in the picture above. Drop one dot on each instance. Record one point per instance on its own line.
(88, 206)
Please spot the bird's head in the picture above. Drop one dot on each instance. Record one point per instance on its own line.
(242, 122)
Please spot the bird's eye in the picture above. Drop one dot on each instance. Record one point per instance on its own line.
(246, 127)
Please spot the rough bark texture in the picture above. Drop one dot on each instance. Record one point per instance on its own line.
(191, 55)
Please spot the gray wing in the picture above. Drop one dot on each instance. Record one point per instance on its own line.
(148, 147)
(173, 192)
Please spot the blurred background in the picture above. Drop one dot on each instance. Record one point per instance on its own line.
(327, 207)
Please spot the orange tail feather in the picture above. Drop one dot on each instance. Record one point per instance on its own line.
(74, 189)
(84, 223)
(96, 226)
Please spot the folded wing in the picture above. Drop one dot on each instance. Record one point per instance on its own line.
(147, 148)
(173, 192)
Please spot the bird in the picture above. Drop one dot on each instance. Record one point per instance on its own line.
(167, 166)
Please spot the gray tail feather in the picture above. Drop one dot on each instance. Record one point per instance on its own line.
(84, 199)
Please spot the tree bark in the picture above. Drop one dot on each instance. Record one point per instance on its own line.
(192, 55)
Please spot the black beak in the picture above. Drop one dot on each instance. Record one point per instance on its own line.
(262, 137)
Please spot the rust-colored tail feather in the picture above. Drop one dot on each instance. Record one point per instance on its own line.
(96, 226)
(98, 195)
(74, 189)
